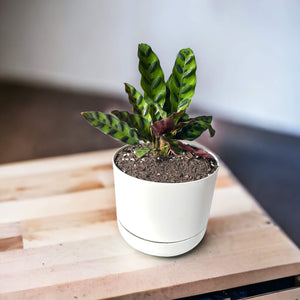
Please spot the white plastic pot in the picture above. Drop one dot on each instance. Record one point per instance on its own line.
(163, 219)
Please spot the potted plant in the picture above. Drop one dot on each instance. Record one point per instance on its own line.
(163, 182)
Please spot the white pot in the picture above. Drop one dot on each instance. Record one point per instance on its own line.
(163, 219)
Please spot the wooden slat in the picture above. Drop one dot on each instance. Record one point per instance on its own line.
(56, 183)
(56, 164)
(60, 215)
(10, 230)
(11, 243)
(14, 211)
(10, 236)
(74, 227)
(117, 273)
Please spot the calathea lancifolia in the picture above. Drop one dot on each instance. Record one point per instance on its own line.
(159, 119)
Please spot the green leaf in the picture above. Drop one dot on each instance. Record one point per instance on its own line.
(142, 151)
(177, 116)
(139, 104)
(195, 128)
(208, 120)
(152, 81)
(173, 144)
(112, 126)
(182, 81)
(167, 106)
(141, 124)
(184, 104)
(156, 111)
(162, 113)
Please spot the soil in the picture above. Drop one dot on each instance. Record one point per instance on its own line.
(173, 169)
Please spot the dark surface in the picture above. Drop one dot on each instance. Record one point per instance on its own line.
(268, 165)
(251, 290)
(39, 122)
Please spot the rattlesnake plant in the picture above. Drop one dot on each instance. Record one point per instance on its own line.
(159, 119)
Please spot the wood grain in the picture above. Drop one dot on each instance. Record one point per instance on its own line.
(59, 238)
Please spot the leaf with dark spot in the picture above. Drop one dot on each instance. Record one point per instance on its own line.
(153, 66)
(182, 81)
(194, 128)
(111, 126)
(137, 122)
(152, 80)
(179, 69)
(139, 104)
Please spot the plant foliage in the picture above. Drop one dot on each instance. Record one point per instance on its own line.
(159, 117)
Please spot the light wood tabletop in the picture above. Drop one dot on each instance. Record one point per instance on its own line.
(59, 238)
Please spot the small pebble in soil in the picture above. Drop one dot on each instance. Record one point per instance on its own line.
(182, 168)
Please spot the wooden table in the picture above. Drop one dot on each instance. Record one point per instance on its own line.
(59, 238)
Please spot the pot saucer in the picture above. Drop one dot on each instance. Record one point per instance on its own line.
(163, 249)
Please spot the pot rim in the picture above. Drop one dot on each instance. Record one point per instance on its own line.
(192, 143)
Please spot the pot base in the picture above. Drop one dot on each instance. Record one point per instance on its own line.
(160, 248)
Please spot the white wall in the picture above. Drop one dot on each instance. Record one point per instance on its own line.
(247, 51)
